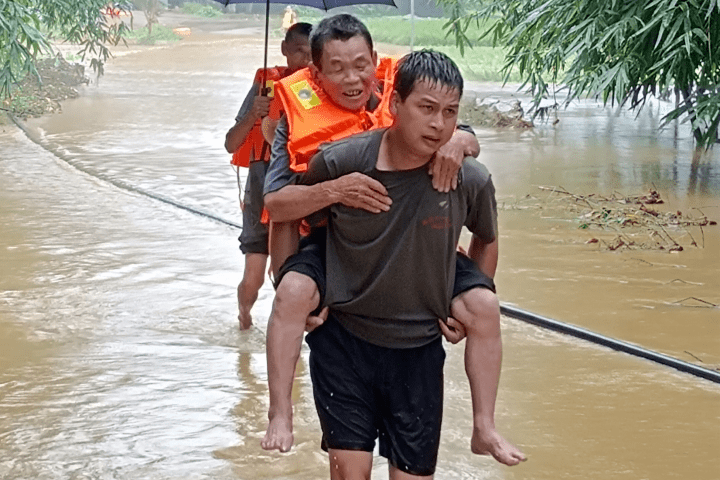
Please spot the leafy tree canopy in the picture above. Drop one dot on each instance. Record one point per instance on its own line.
(26, 27)
(623, 51)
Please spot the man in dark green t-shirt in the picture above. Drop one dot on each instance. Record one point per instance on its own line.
(376, 363)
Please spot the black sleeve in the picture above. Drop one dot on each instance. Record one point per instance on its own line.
(279, 173)
(465, 128)
(317, 171)
(482, 206)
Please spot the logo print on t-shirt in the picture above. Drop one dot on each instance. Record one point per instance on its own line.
(437, 222)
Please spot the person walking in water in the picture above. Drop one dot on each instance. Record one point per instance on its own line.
(250, 150)
(289, 18)
(344, 40)
(377, 362)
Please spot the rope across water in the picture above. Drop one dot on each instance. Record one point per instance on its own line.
(507, 310)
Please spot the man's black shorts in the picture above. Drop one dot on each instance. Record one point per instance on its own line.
(254, 235)
(364, 392)
(310, 261)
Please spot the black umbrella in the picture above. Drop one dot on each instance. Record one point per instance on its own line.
(321, 4)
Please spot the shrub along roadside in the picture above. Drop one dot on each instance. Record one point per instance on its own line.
(160, 33)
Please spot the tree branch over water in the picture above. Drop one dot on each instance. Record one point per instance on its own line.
(28, 27)
(621, 52)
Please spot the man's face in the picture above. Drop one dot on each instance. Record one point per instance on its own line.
(347, 72)
(426, 119)
(296, 51)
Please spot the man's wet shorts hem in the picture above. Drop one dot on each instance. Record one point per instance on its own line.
(365, 393)
(355, 446)
(259, 246)
(308, 261)
(254, 235)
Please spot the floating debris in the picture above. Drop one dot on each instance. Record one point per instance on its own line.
(488, 112)
(632, 221)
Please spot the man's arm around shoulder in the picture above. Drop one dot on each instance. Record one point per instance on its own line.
(316, 190)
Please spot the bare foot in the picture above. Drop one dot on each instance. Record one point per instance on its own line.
(279, 435)
(490, 442)
(245, 319)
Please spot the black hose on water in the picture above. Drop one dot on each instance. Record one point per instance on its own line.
(509, 311)
(618, 345)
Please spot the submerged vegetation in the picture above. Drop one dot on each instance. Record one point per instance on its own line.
(57, 80)
(623, 222)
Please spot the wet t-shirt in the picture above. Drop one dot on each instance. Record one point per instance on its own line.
(390, 275)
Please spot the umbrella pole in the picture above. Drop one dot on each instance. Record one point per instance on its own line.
(264, 88)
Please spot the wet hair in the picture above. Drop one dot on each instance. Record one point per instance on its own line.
(300, 29)
(338, 27)
(428, 65)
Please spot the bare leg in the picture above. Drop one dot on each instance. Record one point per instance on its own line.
(479, 311)
(350, 464)
(296, 297)
(247, 290)
(284, 239)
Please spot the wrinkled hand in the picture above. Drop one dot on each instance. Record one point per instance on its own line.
(357, 190)
(453, 331)
(312, 322)
(261, 106)
(445, 165)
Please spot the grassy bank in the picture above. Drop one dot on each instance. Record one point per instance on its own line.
(207, 11)
(482, 62)
(160, 34)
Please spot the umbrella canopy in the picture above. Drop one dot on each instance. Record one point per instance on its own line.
(321, 4)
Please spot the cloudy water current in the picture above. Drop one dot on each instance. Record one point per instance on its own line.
(119, 350)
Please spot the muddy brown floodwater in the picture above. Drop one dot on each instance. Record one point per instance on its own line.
(119, 350)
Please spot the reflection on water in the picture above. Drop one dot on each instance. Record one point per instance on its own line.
(119, 354)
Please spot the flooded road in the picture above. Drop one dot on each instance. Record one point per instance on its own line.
(119, 350)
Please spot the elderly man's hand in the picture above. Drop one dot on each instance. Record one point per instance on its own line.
(453, 331)
(314, 321)
(445, 165)
(357, 190)
(448, 159)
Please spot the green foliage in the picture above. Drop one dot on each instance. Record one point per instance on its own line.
(207, 11)
(151, 10)
(22, 23)
(621, 51)
(481, 64)
(428, 32)
(159, 33)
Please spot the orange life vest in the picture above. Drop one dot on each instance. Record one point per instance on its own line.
(313, 119)
(252, 147)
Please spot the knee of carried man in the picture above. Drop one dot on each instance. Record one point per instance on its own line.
(297, 291)
(270, 204)
(475, 306)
